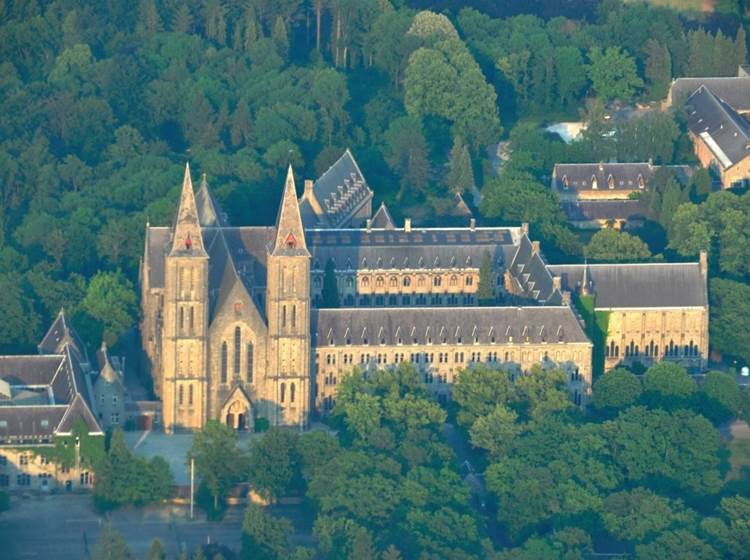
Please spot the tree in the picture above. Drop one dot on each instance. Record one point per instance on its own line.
(156, 552)
(182, 20)
(613, 74)
(729, 317)
(731, 531)
(111, 545)
(543, 392)
(722, 397)
(676, 544)
(111, 302)
(460, 174)
(264, 537)
(658, 68)
(640, 515)
(406, 153)
(280, 38)
(486, 287)
(330, 292)
(479, 390)
(273, 464)
(124, 478)
(219, 462)
(495, 432)
(609, 245)
(668, 384)
(616, 390)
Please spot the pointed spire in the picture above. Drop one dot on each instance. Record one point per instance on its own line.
(187, 238)
(290, 235)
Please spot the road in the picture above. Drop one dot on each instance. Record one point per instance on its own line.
(67, 527)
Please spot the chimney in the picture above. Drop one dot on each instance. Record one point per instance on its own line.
(473, 224)
(703, 260)
(308, 188)
(534, 247)
(407, 225)
(525, 228)
(556, 282)
(368, 225)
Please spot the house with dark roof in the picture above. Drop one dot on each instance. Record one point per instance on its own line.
(44, 397)
(595, 195)
(720, 136)
(734, 90)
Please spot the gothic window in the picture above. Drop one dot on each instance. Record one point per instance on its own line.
(437, 281)
(249, 362)
(594, 184)
(379, 282)
(182, 319)
(565, 181)
(192, 319)
(393, 282)
(223, 362)
(292, 391)
(365, 281)
(237, 352)
(294, 316)
(283, 315)
(190, 395)
(407, 281)
(453, 280)
(180, 395)
(641, 182)
(469, 280)
(283, 392)
(611, 182)
(420, 282)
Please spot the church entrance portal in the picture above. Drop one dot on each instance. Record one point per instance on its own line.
(237, 415)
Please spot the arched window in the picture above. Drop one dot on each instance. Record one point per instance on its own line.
(182, 319)
(641, 182)
(393, 282)
(292, 391)
(407, 281)
(611, 182)
(283, 315)
(223, 362)
(379, 282)
(283, 392)
(565, 182)
(190, 395)
(453, 280)
(594, 183)
(249, 362)
(181, 394)
(294, 316)
(237, 351)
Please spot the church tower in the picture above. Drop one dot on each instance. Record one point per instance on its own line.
(288, 312)
(183, 375)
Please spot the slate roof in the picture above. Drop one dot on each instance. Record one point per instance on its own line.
(209, 212)
(725, 132)
(588, 210)
(382, 218)
(339, 192)
(455, 325)
(623, 286)
(530, 273)
(418, 248)
(58, 335)
(625, 176)
(733, 90)
(60, 382)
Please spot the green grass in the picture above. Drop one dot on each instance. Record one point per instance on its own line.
(684, 5)
(739, 458)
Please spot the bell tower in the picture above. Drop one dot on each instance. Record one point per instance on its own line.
(183, 376)
(288, 312)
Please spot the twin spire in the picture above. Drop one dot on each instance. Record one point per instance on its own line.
(290, 235)
(289, 240)
(187, 239)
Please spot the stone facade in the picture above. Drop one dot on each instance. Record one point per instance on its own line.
(232, 328)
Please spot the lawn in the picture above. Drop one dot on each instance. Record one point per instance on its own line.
(739, 458)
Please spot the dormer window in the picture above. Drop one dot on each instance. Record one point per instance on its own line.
(641, 182)
(290, 242)
(565, 182)
(594, 183)
(611, 182)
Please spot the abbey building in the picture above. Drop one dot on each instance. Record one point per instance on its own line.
(234, 329)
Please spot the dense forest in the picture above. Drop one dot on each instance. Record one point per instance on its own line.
(103, 102)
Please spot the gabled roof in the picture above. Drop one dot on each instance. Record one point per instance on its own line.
(734, 90)
(60, 333)
(722, 129)
(382, 218)
(209, 213)
(643, 285)
(339, 193)
(107, 371)
(458, 325)
(591, 210)
(574, 177)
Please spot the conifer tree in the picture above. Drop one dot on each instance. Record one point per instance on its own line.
(280, 38)
(156, 552)
(182, 20)
(111, 545)
(485, 290)
(330, 287)
(460, 174)
(149, 21)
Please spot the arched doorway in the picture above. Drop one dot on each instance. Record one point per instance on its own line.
(237, 415)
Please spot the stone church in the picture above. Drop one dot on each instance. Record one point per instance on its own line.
(233, 330)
